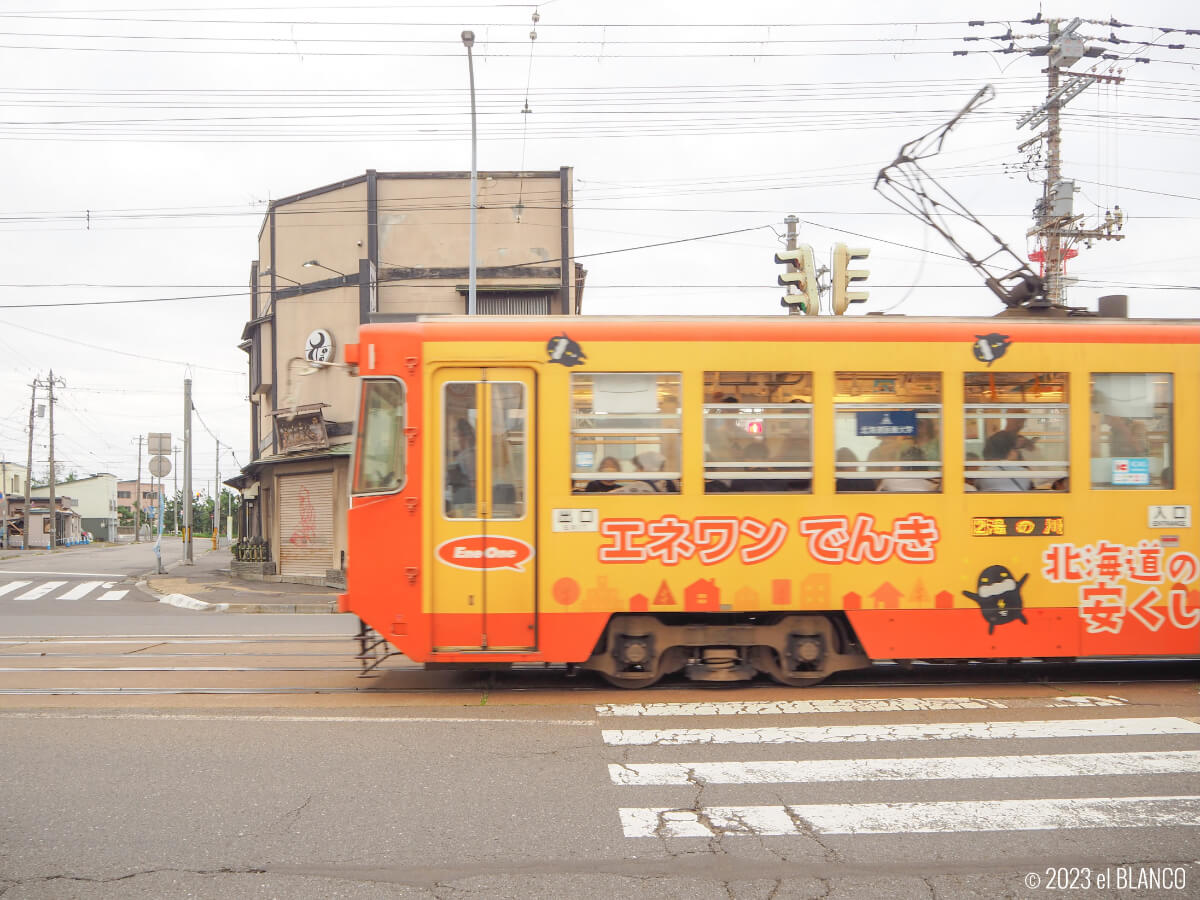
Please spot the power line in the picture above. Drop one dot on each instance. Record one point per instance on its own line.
(173, 362)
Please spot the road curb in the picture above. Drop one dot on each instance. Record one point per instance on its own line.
(289, 608)
(183, 601)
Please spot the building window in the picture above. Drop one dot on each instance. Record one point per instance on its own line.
(380, 451)
(758, 432)
(887, 431)
(625, 432)
(125, 495)
(1132, 436)
(1016, 429)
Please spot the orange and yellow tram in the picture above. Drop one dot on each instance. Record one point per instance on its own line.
(724, 497)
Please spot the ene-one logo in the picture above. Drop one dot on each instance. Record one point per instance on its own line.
(477, 552)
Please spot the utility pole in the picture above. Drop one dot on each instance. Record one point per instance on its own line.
(3, 504)
(53, 509)
(217, 497)
(29, 464)
(187, 472)
(137, 497)
(1056, 224)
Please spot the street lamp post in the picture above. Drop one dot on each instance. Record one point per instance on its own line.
(468, 39)
(312, 263)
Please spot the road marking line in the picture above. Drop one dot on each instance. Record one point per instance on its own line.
(385, 720)
(41, 590)
(13, 586)
(112, 595)
(890, 704)
(80, 590)
(1062, 728)
(1066, 765)
(912, 818)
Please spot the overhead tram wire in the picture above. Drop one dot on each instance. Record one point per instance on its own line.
(173, 362)
(244, 293)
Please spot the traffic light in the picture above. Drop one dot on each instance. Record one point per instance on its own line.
(844, 277)
(802, 274)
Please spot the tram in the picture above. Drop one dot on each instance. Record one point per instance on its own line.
(724, 497)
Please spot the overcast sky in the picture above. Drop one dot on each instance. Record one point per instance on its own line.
(141, 144)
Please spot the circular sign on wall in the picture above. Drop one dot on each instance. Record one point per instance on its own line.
(319, 346)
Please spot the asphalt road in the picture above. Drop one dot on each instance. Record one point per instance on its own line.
(755, 793)
(163, 753)
(97, 580)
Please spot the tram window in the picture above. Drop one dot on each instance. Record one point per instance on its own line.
(1015, 431)
(887, 431)
(460, 409)
(631, 419)
(758, 432)
(1132, 436)
(507, 459)
(380, 451)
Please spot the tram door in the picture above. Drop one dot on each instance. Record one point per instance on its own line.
(484, 584)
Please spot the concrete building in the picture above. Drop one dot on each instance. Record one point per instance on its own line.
(126, 491)
(383, 245)
(83, 504)
(13, 479)
(96, 498)
(68, 522)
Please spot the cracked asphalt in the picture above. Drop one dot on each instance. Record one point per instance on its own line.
(508, 799)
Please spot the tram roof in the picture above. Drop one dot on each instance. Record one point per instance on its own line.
(796, 328)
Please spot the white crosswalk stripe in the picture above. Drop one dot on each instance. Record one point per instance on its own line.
(881, 812)
(910, 818)
(1064, 765)
(81, 590)
(46, 590)
(41, 590)
(1063, 728)
(887, 704)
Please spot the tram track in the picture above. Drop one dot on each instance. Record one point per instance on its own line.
(239, 664)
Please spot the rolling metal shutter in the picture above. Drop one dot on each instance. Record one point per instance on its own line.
(305, 524)
(523, 304)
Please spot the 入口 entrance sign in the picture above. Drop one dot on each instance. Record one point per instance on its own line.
(1179, 516)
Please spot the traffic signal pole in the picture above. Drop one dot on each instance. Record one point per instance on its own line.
(800, 279)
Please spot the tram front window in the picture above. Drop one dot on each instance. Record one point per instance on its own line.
(380, 449)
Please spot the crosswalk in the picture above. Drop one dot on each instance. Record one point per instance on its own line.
(35, 589)
(1092, 783)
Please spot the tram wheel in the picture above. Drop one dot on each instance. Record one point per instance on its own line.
(799, 680)
(632, 681)
(766, 659)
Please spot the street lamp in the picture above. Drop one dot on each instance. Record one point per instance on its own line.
(313, 263)
(468, 39)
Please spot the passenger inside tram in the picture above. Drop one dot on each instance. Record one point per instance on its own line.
(1001, 450)
(608, 464)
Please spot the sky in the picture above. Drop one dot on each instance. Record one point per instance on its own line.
(141, 143)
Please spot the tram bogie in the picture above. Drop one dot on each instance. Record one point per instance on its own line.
(638, 650)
